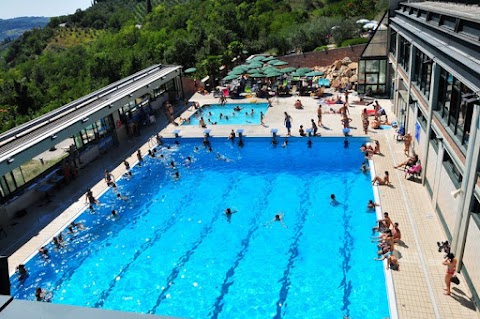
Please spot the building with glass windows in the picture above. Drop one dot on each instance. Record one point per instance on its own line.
(431, 72)
(79, 132)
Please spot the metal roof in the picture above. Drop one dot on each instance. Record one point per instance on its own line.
(461, 10)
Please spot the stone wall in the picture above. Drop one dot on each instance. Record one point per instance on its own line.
(323, 58)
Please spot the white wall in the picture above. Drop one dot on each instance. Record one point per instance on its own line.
(471, 256)
(447, 203)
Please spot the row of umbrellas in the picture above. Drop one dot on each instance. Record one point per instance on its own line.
(265, 67)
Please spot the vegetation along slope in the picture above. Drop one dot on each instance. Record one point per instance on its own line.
(76, 54)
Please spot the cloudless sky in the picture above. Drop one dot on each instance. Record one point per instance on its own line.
(40, 8)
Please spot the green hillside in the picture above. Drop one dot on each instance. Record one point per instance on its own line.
(76, 54)
(13, 28)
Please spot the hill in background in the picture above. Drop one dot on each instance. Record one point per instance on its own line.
(13, 28)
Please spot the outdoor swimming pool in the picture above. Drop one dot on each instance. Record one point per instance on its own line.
(173, 251)
(229, 116)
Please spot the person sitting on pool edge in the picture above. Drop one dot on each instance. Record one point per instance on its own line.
(301, 131)
(392, 261)
(382, 181)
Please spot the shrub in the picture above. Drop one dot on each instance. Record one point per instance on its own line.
(355, 41)
(322, 48)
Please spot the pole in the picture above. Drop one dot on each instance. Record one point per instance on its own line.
(468, 184)
(470, 180)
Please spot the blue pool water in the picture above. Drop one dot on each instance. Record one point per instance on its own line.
(173, 252)
(212, 112)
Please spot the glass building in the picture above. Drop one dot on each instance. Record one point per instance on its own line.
(430, 69)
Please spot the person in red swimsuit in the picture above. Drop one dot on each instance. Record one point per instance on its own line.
(451, 264)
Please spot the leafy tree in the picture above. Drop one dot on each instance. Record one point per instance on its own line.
(40, 72)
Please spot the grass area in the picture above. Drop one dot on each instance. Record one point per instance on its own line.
(69, 37)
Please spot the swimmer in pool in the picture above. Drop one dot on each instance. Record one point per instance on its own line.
(228, 213)
(278, 218)
(371, 205)
(119, 196)
(333, 200)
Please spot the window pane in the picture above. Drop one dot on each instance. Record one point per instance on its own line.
(10, 182)
(372, 66)
(17, 174)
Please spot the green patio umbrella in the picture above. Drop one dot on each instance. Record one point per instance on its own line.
(242, 67)
(190, 70)
(230, 77)
(257, 58)
(236, 72)
(296, 73)
(272, 62)
(268, 59)
(288, 70)
(255, 65)
(278, 63)
(270, 68)
(304, 71)
(257, 70)
(257, 75)
(314, 73)
(273, 74)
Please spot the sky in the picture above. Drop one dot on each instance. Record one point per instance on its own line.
(38, 8)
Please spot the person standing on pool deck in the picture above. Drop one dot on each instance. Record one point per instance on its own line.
(314, 128)
(451, 262)
(319, 115)
(288, 123)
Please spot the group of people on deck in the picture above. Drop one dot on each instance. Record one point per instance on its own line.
(389, 236)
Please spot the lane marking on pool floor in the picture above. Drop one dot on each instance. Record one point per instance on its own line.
(415, 236)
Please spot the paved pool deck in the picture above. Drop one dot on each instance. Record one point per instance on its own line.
(418, 286)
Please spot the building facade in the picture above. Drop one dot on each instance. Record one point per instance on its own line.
(84, 128)
(432, 69)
